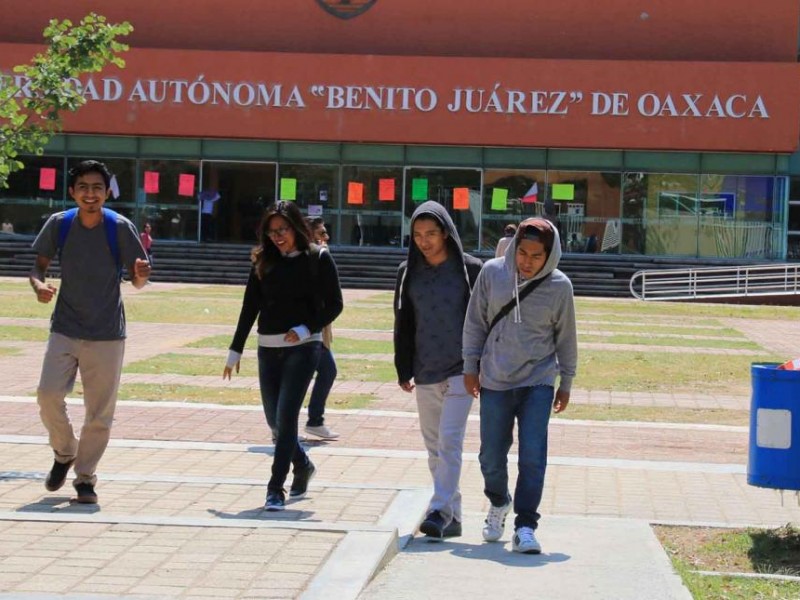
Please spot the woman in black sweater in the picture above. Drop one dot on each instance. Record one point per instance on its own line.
(294, 291)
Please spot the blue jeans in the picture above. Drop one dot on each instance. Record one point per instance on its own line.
(531, 407)
(326, 374)
(284, 375)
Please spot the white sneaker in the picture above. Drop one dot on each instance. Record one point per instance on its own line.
(525, 542)
(495, 522)
(322, 431)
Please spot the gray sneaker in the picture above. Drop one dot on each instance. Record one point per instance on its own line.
(496, 522)
(322, 431)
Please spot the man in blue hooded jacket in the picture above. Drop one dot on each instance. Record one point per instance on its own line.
(431, 297)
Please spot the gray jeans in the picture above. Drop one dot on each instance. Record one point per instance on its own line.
(100, 364)
(443, 411)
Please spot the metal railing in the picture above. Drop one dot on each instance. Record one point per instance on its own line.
(716, 282)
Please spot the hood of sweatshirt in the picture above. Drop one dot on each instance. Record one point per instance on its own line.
(454, 247)
(545, 231)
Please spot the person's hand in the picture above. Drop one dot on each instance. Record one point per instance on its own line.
(472, 383)
(291, 337)
(45, 292)
(406, 386)
(561, 401)
(226, 372)
(141, 269)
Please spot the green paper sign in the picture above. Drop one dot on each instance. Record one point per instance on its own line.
(563, 191)
(288, 189)
(499, 199)
(419, 190)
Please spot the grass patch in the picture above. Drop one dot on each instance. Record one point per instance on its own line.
(6, 351)
(662, 328)
(361, 370)
(687, 309)
(715, 416)
(25, 306)
(356, 317)
(18, 333)
(189, 364)
(635, 371)
(222, 342)
(643, 340)
(773, 551)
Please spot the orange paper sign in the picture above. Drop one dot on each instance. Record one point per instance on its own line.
(386, 190)
(461, 198)
(355, 193)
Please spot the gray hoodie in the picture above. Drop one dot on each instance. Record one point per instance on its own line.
(533, 343)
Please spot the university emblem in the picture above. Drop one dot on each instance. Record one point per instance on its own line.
(346, 9)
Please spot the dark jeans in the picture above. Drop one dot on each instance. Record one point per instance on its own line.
(326, 374)
(531, 407)
(284, 375)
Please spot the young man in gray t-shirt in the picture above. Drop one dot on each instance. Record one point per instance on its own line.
(88, 324)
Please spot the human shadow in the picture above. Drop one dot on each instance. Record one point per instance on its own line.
(269, 450)
(499, 552)
(59, 504)
(261, 514)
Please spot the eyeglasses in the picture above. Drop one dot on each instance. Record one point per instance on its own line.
(283, 230)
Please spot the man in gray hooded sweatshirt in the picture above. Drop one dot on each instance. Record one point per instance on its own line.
(431, 296)
(519, 336)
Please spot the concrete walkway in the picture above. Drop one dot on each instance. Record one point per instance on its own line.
(182, 487)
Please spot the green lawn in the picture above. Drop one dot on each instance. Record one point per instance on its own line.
(19, 333)
(341, 344)
(643, 340)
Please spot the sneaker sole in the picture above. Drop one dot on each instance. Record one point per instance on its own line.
(275, 508)
(86, 499)
(322, 437)
(431, 533)
(519, 551)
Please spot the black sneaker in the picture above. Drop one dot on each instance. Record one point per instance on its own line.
(433, 525)
(300, 481)
(86, 494)
(276, 501)
(57, 475)
(453, 529)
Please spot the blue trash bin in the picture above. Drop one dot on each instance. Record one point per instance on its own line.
(774, 457)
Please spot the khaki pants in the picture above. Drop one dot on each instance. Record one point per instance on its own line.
(100, 364)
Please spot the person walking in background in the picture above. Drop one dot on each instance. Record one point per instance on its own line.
(515, 369)
(87, 330)
(293, 289)
(503, 242)
(326, 369)
(147, 242)
(431, 295)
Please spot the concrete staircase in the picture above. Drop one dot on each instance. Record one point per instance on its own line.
(602, 275)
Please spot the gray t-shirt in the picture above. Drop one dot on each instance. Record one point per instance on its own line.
(89, 303)
(439, 297)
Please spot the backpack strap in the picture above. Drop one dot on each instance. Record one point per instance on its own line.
(507, 308)
(63, 229)
(109, 225)
(110, 221)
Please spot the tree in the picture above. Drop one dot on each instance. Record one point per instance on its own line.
(32, 103)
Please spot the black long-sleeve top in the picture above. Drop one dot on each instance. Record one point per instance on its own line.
(288, 296)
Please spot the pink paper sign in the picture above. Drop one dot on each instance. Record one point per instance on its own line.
(186, 185)
(151, 182)
(47, 178)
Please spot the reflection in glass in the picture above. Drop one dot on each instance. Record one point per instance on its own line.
(377, 220)
(518, 184)
(170, 207)
(26, 203)
(233, 200)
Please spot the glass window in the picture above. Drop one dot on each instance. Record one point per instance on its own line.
(458, 190)
(315, 189)
(33, 194)
(660, 214)
(372, 198)
(509, 196)
(585, 205)
(738, 216)
(167, 194)
(233, 199)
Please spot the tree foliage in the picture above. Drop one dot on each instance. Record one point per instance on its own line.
(33, 100)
